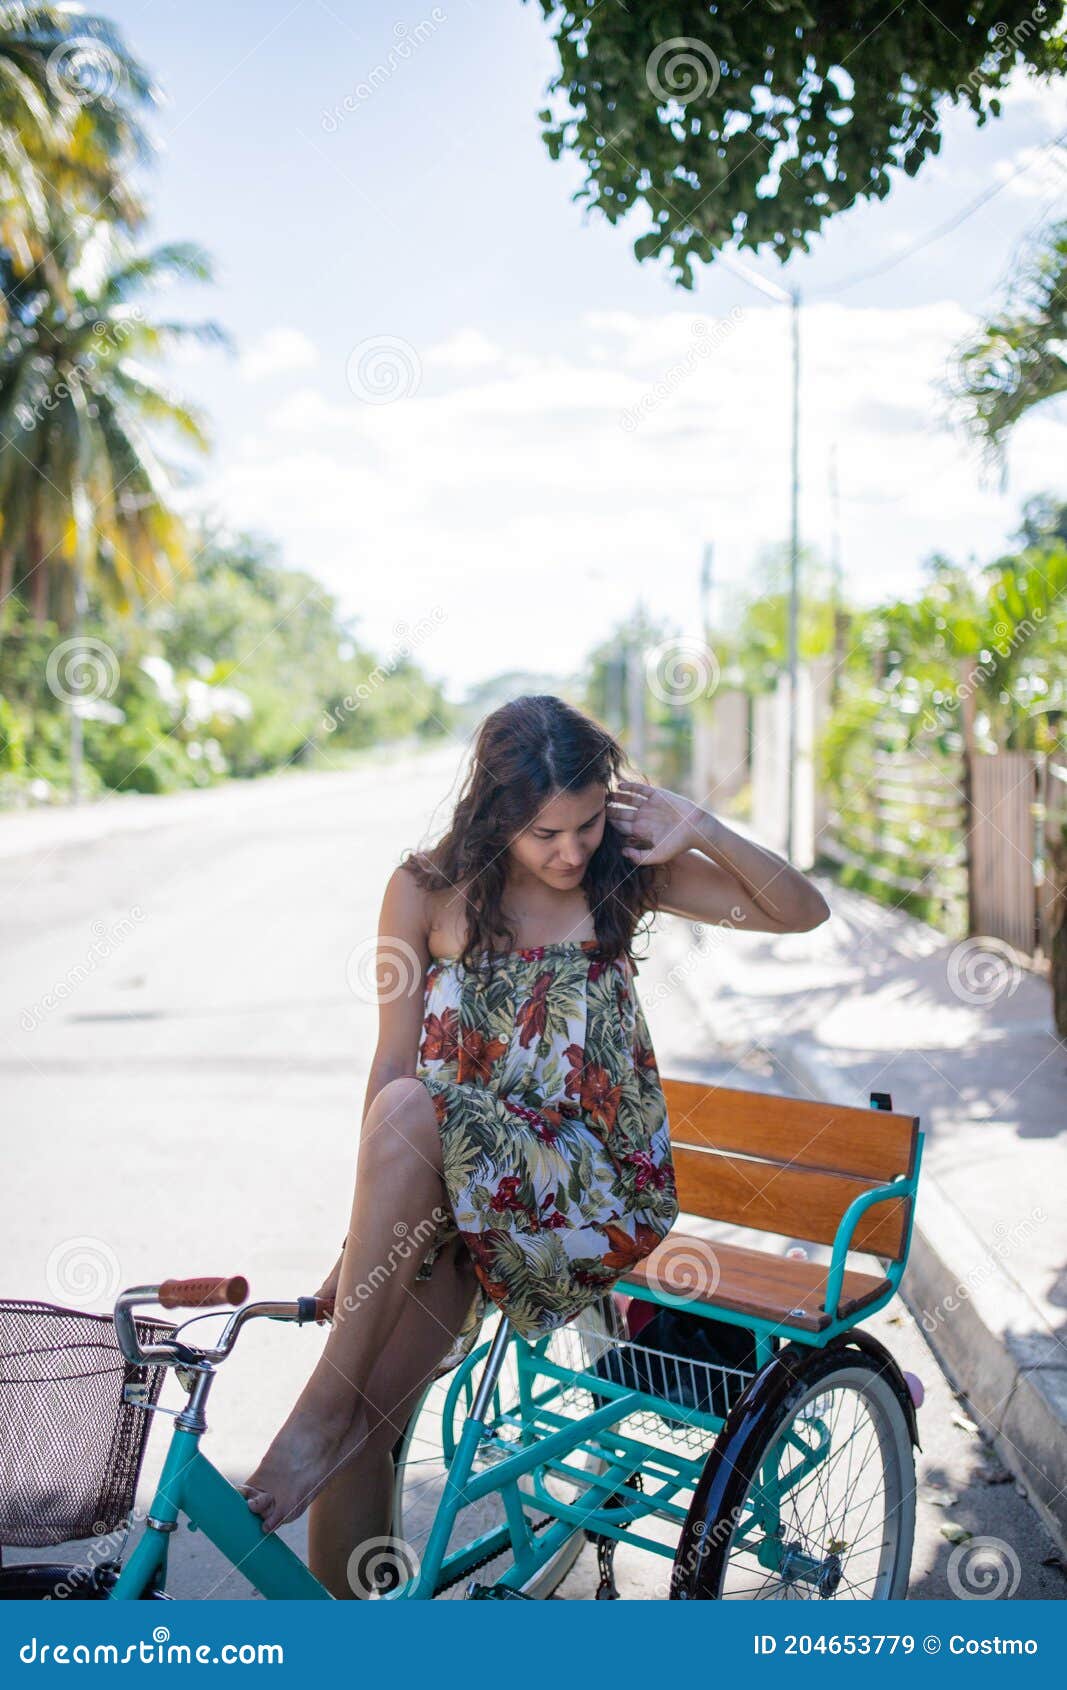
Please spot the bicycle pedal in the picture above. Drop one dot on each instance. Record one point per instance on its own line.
(482, 1592)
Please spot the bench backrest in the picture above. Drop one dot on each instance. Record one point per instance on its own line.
(788, 1165)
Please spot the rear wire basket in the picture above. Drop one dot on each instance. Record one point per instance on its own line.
(70, 1447)
(696, 1394)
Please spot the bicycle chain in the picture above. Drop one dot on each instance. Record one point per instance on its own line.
(493, 1555)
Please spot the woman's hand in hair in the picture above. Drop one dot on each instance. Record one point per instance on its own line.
(658, 824)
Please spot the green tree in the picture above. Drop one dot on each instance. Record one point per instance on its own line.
(82, 485)
(1018, 359)
(71, 103)
(754, 124)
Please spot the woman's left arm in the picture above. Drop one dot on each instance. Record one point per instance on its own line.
(710, 873)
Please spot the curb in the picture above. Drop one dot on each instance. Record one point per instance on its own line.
(979, 1325)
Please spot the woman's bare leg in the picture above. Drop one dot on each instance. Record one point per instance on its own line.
(354, 1510)
(399, 1192)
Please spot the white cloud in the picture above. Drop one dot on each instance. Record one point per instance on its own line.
(537, 498)
(278, 352)
(469, 349)
(1035, 172)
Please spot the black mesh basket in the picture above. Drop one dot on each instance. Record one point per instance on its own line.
(70, 1447)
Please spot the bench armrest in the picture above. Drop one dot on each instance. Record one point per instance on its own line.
(902, 1187)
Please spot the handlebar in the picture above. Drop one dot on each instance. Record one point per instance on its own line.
(203, 1293)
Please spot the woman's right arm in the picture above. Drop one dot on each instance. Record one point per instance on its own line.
(402, 960)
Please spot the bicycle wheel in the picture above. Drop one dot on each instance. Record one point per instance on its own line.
(58, 1581)
(811, 1496)
(421, 1472)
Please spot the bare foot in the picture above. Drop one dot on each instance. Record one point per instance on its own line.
(302, 1458)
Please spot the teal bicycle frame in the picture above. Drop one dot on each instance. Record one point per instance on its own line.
(189, 1485)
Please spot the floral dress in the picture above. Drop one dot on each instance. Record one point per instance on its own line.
(554, 1131)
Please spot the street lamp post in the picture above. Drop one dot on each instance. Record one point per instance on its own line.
(793, 300)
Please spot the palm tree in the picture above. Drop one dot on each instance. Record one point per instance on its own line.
(70, 130)
(83, 491)
(1018, 359)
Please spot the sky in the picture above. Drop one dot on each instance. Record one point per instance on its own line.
(460, 402)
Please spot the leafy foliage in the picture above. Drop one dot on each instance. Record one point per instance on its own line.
(754, 124)
(1018, 359)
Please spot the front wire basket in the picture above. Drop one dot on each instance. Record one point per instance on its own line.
(71, 1447)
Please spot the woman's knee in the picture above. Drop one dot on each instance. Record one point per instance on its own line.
(401, 1117)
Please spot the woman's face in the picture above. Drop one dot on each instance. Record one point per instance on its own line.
(558, 842)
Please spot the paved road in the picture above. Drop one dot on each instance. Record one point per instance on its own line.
(183, 1063)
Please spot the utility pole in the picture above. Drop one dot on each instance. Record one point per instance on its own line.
(837, 605)
(793, 300)
(705, 593)
(794, 578)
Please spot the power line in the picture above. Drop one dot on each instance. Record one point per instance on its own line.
(936, 234)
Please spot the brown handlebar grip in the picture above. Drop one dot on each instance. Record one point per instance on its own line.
(202, 1293)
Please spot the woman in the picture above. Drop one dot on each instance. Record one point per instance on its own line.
(515, 1147)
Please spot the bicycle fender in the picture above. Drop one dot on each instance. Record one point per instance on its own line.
(888, 1365)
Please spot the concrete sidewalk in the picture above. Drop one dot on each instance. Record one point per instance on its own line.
(962, 1036)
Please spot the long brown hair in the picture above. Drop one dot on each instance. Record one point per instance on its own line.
(526, 752)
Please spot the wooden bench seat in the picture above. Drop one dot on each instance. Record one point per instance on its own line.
(753, 1282)
(795, 1167)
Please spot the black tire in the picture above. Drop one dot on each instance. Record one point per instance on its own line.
(57, 1581)
(419, 1479)
(852, 1387)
